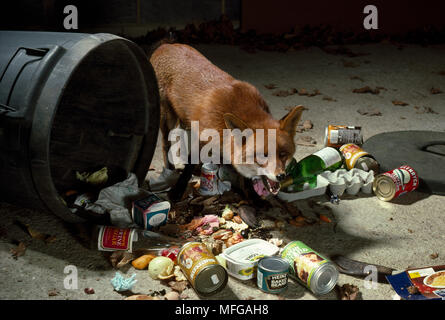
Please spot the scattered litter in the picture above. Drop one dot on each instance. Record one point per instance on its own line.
(96, 178)
(327, 98)
(419, 283)
(120, 258)
(120, 284)
(172, 295)
(285, 93)
(178, 286)
(227, 213)
(248, 215)
(143, 261)
(161, 268)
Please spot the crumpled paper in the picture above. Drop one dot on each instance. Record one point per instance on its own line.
(119, 283)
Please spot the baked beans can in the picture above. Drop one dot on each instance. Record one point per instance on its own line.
(209, 179)
(202, 269)
(356, 157)
(272, 274)
(310, 268)
(336, 136)
(394, 183)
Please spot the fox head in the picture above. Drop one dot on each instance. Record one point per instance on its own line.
(263, 152)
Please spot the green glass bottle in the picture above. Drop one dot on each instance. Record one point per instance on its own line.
(307, 169)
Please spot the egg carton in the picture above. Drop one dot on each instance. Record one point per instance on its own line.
(340, 181)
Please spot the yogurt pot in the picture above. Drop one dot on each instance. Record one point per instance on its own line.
(241, 259)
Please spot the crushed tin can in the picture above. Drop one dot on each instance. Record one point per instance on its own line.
(356, 157)
(272, 274)
(150, 212)
(394, 183)
(202, 269)
(336, 136)
(310, 268)
(209, 179)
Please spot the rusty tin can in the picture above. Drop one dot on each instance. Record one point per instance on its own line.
(209, 179)
(202, 269)
(310, 268)
(394, 183)
(336, 136)
(356, 157)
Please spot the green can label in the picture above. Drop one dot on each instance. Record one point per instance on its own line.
(303, 261)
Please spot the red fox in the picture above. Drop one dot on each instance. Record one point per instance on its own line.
(193, 89)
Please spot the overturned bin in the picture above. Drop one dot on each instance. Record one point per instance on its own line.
(68, 102)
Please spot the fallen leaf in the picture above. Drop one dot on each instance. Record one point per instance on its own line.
(369, 112)
(425, 110)
(434, 255)
(399, 103)
(120, 258)
(356, 78)
(435, 90)
(270, 86)
(327, 98)
(347, 292)
(282, 93)
(19, 250)
(53, 292)
(366, 89)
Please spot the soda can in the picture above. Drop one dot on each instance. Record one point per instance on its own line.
(394, 183)
(209, 179)
(310, 268)
(150, 212)
(336, 136)
(202, 269)
(356, 157)
(272, 274)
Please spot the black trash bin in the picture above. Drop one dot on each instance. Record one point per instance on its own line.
(68, 102)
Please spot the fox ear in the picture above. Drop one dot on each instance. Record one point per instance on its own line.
(290, 121)
(233, 122)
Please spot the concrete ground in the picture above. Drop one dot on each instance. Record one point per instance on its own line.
(398, 235)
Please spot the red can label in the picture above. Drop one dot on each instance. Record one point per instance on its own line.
(208, 183)
(405, 179)
(112, 238)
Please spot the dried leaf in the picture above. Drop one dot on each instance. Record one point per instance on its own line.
(325, 218)
(369, 112)
(347, 292)
(53, 292)
(434, 255)
(366, 89)
(327, 98)
(435, 90)
(270, 86)
(399, 103)
(119, 258)
(19, 250)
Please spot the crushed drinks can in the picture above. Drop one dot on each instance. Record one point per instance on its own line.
(272, 274)
(336, 136)
(356, 157)
(150, 212)
(310, 268)
(394, 183)
(209, 179)
(202, 269)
